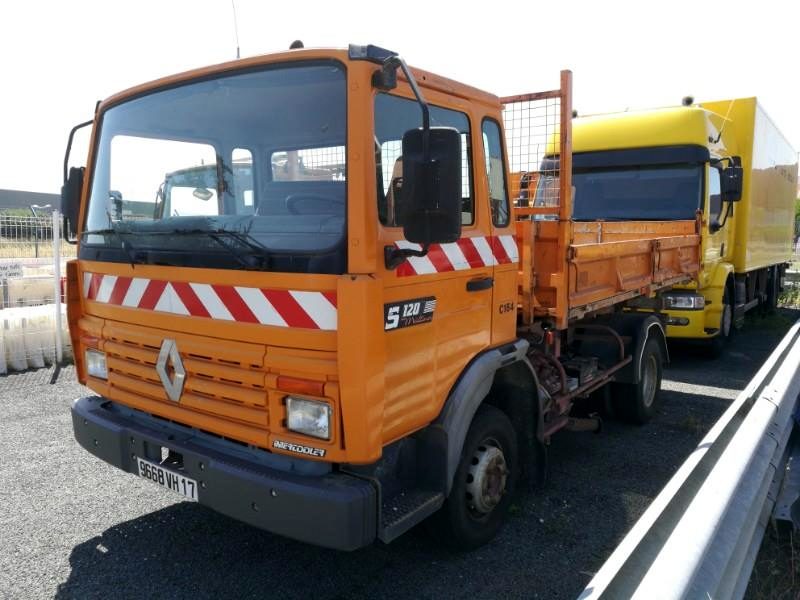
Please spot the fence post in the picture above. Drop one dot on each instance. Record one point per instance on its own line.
(57, 283)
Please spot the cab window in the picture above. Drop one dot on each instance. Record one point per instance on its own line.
(495, 173)
(714, 194)
(393, 117)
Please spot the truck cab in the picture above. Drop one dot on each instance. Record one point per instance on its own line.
(722, 161)
(232, 304)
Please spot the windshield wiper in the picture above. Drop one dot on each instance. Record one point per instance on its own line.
(219, 236)
(128, 249)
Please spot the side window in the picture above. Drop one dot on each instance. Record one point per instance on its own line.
(714, 194)
(393, 117)
(495, 173)
(311, 164)
(242, 166)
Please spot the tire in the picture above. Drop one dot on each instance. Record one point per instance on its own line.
(467, 519)
(720, 341)
(637, 402)
(773, 290)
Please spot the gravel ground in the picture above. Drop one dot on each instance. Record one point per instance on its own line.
(73, 527)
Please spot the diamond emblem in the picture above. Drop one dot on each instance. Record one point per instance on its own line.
(170, 370)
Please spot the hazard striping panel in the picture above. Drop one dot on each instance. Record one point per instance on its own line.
(466, 253)
(280, 308)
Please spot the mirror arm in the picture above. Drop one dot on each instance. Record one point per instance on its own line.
(715, 226)
(69, 144)
(391, 64)
(393, 256)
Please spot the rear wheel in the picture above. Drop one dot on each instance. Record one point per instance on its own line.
(773, 289)
(636, 402)
(484, 482)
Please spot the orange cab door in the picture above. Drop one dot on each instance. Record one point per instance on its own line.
(504, 246)
(437, 308)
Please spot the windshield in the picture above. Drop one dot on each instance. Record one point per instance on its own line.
(241, 171)
(645, 193)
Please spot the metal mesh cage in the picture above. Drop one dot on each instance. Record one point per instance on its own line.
(537, 136)
(533, 137)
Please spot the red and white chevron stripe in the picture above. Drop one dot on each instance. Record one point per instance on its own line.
(281, 308)
(466, 253)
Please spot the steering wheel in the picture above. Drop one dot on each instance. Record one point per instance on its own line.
(294, 201)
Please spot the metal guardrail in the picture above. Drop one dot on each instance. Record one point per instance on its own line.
(701, 535)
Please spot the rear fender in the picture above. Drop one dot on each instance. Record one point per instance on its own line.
(638, 328)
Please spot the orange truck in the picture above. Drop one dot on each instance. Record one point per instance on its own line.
(331, 321)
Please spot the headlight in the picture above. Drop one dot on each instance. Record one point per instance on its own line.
(96, 364)
(309, 417)
(684, 301)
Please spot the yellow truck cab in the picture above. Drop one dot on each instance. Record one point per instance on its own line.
(303, 297)
(674, 162)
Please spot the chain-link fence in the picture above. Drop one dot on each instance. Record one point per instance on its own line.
(33, 331)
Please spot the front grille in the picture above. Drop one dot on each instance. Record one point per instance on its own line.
(224, 396)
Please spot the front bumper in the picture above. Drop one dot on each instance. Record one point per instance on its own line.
(333, 509)
(693, 324)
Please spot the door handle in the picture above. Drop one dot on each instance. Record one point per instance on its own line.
(477, 285)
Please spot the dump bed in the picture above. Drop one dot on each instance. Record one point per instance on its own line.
(764, 218)
(605, 264)
(569, 269)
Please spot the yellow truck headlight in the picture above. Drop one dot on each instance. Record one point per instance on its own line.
(96, 363)
(309, 417)
(675, 301)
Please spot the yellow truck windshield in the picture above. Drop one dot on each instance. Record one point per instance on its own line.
(645, 193)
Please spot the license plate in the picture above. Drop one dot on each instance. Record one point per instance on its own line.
(166, 478)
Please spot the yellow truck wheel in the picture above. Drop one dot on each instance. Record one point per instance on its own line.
(773, 289)
(720, 341)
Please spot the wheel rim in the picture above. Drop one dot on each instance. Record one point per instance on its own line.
(649, 377)
(486, 478)
(726, 320)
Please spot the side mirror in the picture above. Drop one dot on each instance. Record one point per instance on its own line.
(731, 181)
(431, 192)
(71, 200)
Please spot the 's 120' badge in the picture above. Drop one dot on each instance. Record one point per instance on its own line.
(397, 315)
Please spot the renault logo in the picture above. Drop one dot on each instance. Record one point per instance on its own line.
(170, 370)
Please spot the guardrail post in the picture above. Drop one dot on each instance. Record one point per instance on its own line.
(57, 283)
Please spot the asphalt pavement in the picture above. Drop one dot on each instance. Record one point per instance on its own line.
(73, 527)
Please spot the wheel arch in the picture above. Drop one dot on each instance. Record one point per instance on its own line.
(720, 279)
(489, 378)
(637, 328)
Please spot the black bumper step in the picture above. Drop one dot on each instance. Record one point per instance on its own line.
(401, 512)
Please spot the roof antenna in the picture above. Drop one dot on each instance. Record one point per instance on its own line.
(724, 122)
(235, 27)
(296, 45)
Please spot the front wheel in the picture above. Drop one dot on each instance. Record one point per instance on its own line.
(723, 337)
(636, 402)
(484, 482)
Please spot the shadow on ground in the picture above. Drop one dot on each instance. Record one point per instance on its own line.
(555, 540)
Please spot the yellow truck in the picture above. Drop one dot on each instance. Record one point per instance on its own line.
(725, 162)
(331, 322)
